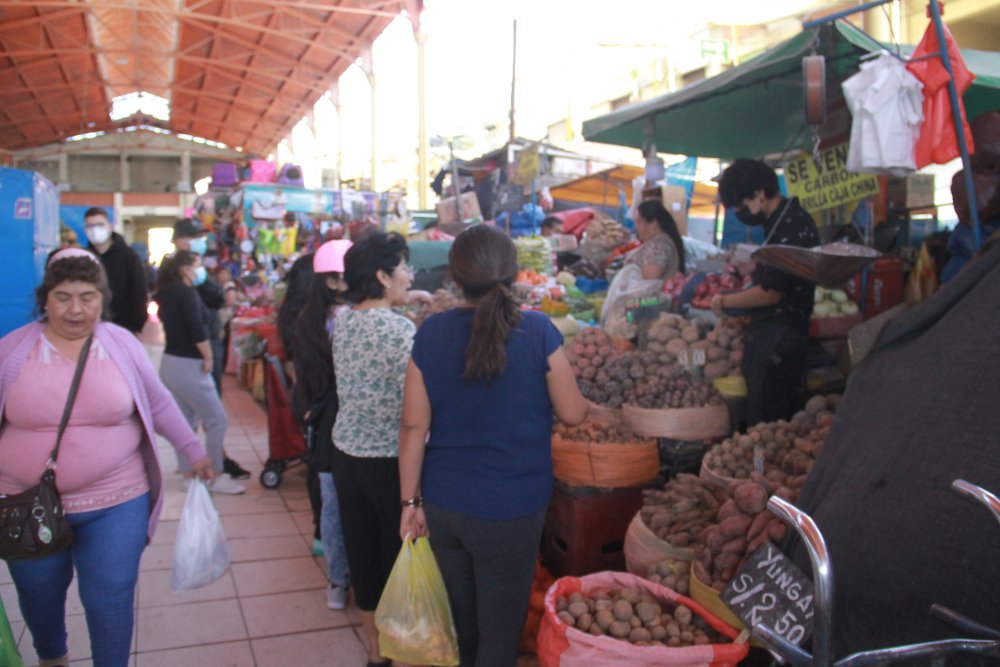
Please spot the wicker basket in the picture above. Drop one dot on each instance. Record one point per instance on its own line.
(643, 549)
(679, 424)
(720, 482)
(605, 465)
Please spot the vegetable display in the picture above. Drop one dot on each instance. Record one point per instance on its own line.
(742, 525)
(534, 254)
(673, 574)
(633, 616)
(784, 449)
(675, 339)
(832, 303)
(679, 512)
(597, 430)
(442, 300)
(640, 379)
(716, 283)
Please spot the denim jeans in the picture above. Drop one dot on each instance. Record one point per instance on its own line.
(107, 544)
(331, 533)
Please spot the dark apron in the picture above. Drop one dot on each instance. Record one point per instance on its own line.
(774, 365)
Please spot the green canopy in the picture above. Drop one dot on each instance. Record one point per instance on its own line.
(757, 108)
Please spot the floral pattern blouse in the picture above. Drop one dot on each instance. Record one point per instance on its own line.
(371, 349)
(657, 250)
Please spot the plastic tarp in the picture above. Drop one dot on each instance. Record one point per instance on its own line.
(756, 108)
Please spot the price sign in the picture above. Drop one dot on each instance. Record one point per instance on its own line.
(698, 357)
(648, 308)
(770, 590)
(683, 359)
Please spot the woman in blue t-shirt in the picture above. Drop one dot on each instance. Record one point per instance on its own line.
(483, 381)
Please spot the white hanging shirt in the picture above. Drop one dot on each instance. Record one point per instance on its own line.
(886, 103)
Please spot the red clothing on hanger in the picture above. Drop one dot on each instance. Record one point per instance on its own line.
(938, 142)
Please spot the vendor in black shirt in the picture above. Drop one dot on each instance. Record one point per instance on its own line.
(780, 304)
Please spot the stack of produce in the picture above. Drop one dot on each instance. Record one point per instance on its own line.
(534, 253)
(673, 574)
(588, 354)
(633, 616)
(674, 285)
(642, 380)
(603, 235)
(527, 276)
(787, 449)
(742, 526)
(672, 337)
(443, 300)
(715, 283)
(678, 513)
(832, 303)
(596, 430)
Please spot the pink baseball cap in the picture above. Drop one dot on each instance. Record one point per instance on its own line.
(330, 256)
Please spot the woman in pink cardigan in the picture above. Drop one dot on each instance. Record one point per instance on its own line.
(108, 474)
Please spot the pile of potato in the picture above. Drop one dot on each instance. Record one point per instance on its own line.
(678, 513)
(635, 617)
(642, 380)
(671, 337)
(599, 431)
(673, 574)
(742, 526)
(589, 353)
(443, 300)
(787, 449)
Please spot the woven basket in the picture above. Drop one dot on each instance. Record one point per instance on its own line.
(720, 482)
(679, 423)
(605, 465)
(643, 549)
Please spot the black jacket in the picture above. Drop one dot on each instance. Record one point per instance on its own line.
(214, 297)
(127, 280)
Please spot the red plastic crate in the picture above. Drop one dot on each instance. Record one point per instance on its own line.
(885, 286)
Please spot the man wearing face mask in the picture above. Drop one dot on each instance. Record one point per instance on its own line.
(126, 272)
(780, 304)
(190, 235)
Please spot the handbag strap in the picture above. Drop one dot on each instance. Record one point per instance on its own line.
(71, 398)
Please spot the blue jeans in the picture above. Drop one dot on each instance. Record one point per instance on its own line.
(331, 533)
(107, 544)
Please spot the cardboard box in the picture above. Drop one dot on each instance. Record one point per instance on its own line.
(447, 213)
(674, 199)
(913, 191)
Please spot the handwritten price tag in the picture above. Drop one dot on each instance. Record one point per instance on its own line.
(770, 590)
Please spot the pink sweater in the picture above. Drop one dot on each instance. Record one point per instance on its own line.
(156, 408)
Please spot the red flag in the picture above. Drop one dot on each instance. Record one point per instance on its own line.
(938, 142)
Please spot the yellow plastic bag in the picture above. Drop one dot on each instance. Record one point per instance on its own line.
(413, 617)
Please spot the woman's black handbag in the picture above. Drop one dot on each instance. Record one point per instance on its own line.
(33, 523)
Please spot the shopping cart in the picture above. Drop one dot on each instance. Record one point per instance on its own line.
(286, 444)
(987, 642)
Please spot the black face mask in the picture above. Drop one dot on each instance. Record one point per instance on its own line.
(749, 219)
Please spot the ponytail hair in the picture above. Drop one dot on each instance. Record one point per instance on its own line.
(483, 262)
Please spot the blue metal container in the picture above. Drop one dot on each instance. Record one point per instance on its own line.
(29, 231)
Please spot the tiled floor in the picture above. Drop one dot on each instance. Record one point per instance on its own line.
(268, 609)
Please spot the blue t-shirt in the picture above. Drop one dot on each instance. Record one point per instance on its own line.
(490, 449)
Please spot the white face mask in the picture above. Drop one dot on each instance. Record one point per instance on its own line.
(198, 245)
(98, 235)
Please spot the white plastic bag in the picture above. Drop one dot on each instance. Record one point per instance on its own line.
(201, 553)
(628, 285)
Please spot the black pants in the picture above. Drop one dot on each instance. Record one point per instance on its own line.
(368, 494)
(774, 367)
(487, 566)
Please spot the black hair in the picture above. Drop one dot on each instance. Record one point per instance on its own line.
(376, 252)
(297, 282)
(74, 270)
(95, 210)
(170, 269)
(653, 209)
(743, 178)
(550, 222)
(314, 374)
(483, 262)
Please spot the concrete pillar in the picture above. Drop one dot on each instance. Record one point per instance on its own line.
(422, 166)
(368, 67)
(335, 98)
(124, 178)
(63, 169)
(185, 185)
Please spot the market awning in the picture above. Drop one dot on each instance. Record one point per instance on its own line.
(756, 109)
(601, 188)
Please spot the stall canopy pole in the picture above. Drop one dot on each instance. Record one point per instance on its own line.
(956, 110)
(956, 114)
(513, 81)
